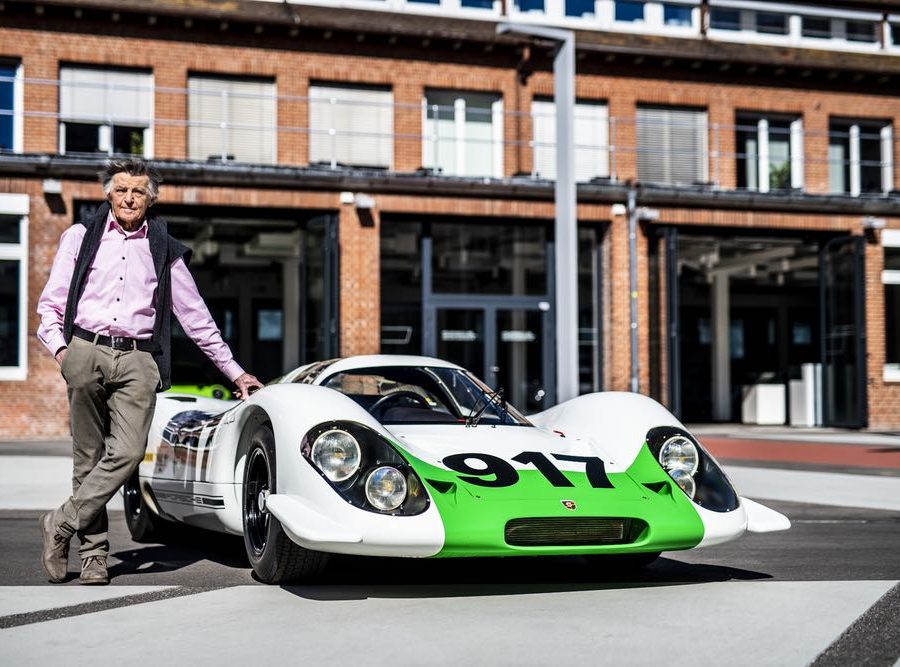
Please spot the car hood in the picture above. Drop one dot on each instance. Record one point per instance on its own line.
(431, 443)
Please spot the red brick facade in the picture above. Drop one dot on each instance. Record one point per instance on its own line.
(37, 406)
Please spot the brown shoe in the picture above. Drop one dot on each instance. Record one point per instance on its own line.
(55, 555)
(93, 571)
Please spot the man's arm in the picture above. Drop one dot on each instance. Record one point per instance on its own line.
(52, 303)
(198, 324)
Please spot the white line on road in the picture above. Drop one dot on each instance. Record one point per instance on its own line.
(38, 483)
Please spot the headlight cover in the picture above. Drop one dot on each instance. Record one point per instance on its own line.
(692, 468)
(348, 455)
(336, 453)
(386, 488)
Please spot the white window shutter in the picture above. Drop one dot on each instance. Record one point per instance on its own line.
(351, 125)
(231, 118)
(92, 95)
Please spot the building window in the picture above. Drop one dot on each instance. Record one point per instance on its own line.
(895, 34)
(13, 286)
(771, 24)
(11, 107)
(860, 156)
(672, 145)
(816, 27)
(770, 152)
(105, 111)
(890, 239)
(463, 133)
(591, 136)
(724, 19)
(580, 8)
(530, 5)
(477, 4)
(677, 15)
(861, 31)
(629, 10)
(231, 118)
(351, 125)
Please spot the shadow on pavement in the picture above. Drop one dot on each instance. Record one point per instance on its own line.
(348, 578)
(184, 546)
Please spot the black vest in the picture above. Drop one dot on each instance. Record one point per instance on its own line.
(164, 250)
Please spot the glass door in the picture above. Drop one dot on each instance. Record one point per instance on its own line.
(842, 305)
(508, 348)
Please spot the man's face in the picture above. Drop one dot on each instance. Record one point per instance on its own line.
(129, 199)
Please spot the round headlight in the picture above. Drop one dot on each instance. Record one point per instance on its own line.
(679, 453)
(336, 453)
(386, 488)
(683, 479)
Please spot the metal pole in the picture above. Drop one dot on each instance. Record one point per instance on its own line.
(632, 285)
(565, 197)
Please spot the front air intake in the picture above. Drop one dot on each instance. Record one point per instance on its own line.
(570, 531)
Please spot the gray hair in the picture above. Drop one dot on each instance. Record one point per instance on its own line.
(132, 167)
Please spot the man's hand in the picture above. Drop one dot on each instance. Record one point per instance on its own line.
(61, 355)
(246, 385)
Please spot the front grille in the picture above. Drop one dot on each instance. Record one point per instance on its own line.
(568, 531)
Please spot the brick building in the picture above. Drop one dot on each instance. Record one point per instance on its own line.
(379, 177)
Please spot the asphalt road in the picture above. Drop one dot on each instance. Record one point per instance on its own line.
(825, 591)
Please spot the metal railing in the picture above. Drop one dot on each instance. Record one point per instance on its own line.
(478, 140)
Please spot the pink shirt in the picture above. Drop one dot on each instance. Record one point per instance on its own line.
(119, 293)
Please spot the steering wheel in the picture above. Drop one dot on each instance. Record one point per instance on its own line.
(378, 406)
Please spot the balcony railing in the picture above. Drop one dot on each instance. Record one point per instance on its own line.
(471, 137)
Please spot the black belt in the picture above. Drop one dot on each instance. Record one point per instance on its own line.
(116, 342)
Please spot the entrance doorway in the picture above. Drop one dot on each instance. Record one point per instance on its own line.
(509, 347)
(751, 310)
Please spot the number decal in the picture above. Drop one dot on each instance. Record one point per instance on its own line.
(545, 467)
(593, 468)
(504, 474)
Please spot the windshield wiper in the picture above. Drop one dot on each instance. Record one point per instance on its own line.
(473, 419)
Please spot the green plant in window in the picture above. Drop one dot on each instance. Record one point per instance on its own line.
(137, 142)
(780, 176)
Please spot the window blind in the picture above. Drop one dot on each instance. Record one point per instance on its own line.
(671, 145)
(591, 136)
(105, 96)
(351, 125)
(231, 118)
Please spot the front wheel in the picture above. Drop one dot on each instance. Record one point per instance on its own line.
(143, 524)
(274, 556)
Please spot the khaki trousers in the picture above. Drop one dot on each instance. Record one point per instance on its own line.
(112, 394)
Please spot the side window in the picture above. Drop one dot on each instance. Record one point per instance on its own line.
(13, 286)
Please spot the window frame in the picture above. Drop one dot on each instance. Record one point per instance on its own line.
(226, 152)
(18, 205)
(18, 102)
(890, 238)
(105, 128)
(763, 137)
(855, 128)
(326, 91)
(459, 135)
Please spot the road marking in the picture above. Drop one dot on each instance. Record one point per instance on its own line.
(27, 599)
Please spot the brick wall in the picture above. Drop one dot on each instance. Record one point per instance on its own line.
(36, 408)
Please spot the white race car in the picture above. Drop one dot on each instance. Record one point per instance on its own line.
(415, 457)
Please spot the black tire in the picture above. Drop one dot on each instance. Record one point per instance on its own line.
(623, 562)
(275, 558)
(143, 523)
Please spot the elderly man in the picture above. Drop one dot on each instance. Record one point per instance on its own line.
(105, 317)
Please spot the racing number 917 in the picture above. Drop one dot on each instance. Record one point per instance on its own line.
(497, 472)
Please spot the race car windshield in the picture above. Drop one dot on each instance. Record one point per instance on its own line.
(425, 395)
